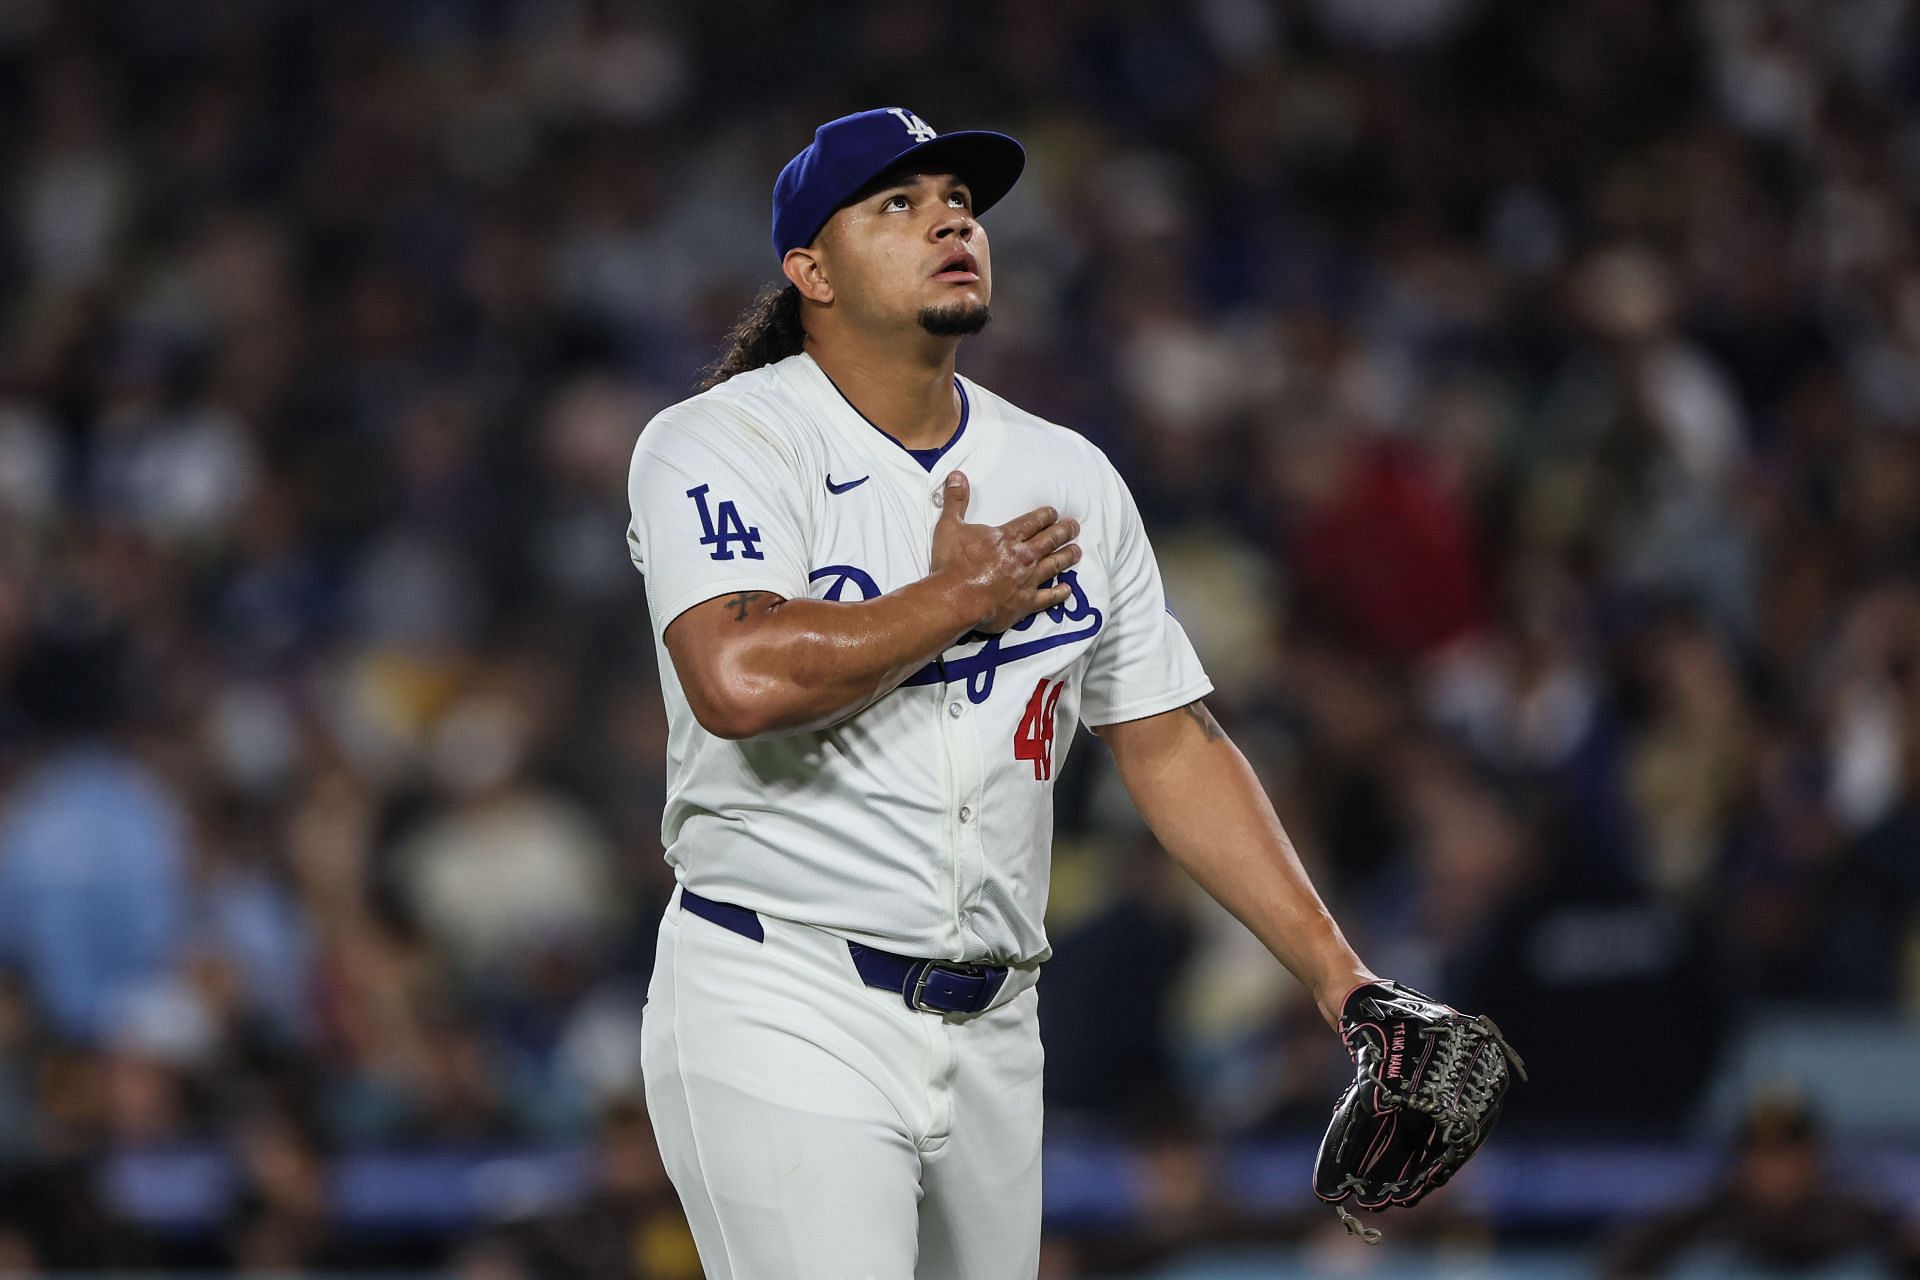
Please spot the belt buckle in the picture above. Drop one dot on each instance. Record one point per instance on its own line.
(965, 970)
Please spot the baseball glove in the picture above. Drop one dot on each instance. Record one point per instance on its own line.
(1427, 1088)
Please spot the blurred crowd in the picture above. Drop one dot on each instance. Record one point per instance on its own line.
(1524, 399)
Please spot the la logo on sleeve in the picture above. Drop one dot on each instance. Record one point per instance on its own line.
(724, 527)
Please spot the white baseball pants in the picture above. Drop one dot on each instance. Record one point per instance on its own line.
(818, 1129)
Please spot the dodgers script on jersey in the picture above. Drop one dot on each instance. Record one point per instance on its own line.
(924, 824)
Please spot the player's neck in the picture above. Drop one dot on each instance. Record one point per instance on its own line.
(909, 395)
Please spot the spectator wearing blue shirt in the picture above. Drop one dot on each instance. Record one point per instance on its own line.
(93, 849)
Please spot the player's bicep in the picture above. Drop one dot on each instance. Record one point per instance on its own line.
(705, 644)
(711, 628)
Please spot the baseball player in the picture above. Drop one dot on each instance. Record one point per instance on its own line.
(882, 598)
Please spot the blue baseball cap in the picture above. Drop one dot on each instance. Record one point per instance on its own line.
(852, 151)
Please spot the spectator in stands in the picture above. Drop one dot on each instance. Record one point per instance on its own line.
(1776, 1208)
(93, 855)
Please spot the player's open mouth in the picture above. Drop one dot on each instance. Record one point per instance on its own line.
(959, 268)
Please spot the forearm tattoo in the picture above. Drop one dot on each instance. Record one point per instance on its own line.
(1198, 713)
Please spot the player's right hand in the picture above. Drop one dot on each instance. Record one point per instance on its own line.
(1003, 567)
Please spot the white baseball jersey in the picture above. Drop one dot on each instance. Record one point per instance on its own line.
(923, 824)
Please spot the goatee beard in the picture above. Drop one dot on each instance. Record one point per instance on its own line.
(955, 320)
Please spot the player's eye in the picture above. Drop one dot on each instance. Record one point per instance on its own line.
(893, 202)
(960, 199)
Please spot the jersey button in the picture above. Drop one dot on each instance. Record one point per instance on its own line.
(966, 813)
(939, 498)
(954, 709)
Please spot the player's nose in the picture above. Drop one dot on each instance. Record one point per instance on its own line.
(960, 224)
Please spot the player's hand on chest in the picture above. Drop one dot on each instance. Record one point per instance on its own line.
(1019, 532)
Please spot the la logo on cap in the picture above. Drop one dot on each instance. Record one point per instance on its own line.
(919, 130)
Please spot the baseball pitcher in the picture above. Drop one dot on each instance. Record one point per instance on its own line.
(882, 599)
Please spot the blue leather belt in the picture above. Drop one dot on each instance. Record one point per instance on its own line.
(932, 986)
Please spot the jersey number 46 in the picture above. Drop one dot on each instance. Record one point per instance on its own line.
(1033, 740)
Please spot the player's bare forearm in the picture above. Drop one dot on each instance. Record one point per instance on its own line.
(1206, 805)
(761, 664)
(754, 663)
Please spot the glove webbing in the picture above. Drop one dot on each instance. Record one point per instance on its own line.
(1457, 1075)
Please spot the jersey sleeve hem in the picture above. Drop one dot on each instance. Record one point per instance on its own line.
(721, 587)
(1141, 709)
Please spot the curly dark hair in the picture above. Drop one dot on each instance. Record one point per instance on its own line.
(768, 330)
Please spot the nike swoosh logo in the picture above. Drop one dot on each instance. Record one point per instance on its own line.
(842, 488)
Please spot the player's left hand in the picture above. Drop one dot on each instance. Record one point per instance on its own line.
(1428, 1085)
(1013, 568)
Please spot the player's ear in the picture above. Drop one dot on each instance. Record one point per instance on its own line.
(808, 272)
